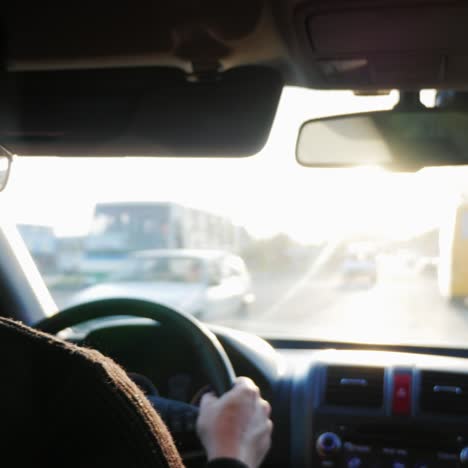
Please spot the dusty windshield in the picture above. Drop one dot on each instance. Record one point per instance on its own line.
(359, 255)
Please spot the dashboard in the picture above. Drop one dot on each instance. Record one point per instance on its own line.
(332, 408)
(149, 351)
(380, 409)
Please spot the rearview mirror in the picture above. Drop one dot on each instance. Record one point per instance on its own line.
(401, 140)
(5, 164)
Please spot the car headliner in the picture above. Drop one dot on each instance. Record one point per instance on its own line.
(145, 100)
(315, 43)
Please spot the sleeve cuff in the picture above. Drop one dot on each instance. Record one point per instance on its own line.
(226, 463)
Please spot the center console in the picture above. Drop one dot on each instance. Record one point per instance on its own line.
(380, 410)
(387, 446)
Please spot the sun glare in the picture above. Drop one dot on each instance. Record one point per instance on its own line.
(268, 193)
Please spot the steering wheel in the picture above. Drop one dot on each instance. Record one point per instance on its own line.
(212, 356)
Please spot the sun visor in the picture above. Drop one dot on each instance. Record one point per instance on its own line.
(398, 45)
(137, 112)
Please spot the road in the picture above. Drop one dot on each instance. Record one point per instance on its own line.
(403, 307)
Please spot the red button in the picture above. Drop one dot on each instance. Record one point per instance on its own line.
(402, 394)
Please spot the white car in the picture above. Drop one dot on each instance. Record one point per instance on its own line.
(203, 283)
(358, 268)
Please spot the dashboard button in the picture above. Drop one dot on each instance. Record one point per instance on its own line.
(399, 464)
(328, 444)
(350, 447)
(354, 462)
(402, 394)
(464, 456)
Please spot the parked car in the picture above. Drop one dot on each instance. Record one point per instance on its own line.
(203, 283)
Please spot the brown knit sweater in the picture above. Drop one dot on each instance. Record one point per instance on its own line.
(62, 405)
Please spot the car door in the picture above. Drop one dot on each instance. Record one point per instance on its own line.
(235, 283)
(222, 289)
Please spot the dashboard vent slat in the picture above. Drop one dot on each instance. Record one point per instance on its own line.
(355, 386)
(444, 392)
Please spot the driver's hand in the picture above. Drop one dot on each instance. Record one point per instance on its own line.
(237, 425)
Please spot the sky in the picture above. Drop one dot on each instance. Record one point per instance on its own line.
(268, 193)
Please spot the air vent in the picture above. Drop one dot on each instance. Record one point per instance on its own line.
(355, 386)
(444, 392)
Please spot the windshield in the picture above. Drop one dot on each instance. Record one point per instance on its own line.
(354, 255)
